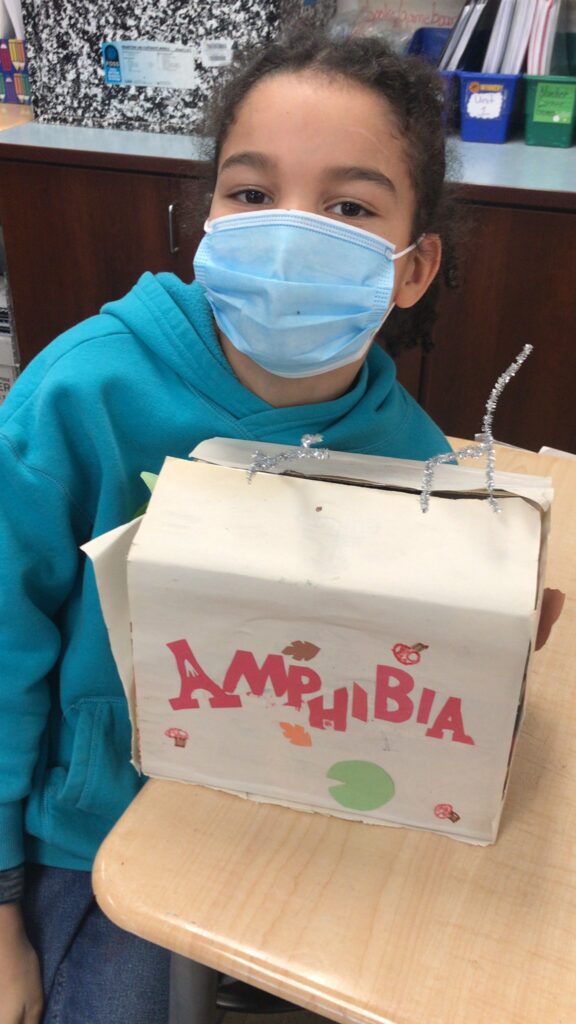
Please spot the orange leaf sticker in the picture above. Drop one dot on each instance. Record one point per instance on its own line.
(296, 734)
(301, 650)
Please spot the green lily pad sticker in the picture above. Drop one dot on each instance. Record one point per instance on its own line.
(364, 785)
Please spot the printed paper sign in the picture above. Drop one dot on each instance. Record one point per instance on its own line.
(215, 53)
(147, 63)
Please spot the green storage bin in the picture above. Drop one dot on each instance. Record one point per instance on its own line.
(550, 110)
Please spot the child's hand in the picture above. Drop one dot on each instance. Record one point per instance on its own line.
(20, 982)
(552, 605)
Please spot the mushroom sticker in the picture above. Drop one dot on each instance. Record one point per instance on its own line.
(446, 811)
(180, 736)
(408, 655)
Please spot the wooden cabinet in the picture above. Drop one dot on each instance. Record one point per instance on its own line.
(518, 287)
(77, 237)
(79, 229)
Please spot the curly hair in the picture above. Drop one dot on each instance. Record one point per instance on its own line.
(416, 95)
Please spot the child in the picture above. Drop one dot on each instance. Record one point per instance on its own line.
(275, 340)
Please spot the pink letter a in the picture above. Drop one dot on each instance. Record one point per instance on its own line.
(193, 677)
(450, 720)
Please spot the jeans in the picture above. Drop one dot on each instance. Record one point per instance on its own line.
(92, 971)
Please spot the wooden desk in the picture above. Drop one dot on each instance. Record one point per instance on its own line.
(374, 924)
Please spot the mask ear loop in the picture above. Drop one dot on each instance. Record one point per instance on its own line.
(396, 256)
(409, 248)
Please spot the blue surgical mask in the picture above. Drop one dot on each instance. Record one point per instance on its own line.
(298, 293)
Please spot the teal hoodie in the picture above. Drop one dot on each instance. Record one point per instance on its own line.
(108, 399)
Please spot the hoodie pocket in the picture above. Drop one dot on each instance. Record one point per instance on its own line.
(100, 779)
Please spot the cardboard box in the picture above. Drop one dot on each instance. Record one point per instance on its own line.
(314, 639)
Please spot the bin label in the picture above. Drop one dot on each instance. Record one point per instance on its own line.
(554, 102)
(485, 105)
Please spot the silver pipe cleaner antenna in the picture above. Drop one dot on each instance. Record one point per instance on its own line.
(262, 462)
(485, 440)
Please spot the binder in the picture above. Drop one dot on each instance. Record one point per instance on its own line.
(499, 37)
(522, 25)
(467, 46)
(455, 35)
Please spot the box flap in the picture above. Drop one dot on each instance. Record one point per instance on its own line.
(108, 554)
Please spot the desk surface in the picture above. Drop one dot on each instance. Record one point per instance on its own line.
(374, 924)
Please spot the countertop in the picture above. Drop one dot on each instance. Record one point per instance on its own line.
(104, 141)
(12, 115)
(512, 166)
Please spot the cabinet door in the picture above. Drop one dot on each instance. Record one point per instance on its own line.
(518, 288)
(77, 237)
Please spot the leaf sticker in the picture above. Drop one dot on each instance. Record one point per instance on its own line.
(301, 650)
(296, 734)
(150, 479)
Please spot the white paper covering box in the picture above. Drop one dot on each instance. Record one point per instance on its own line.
(314, 639)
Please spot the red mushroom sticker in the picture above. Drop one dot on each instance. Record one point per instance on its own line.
(446, 811)
(407, 655)
(180, 736)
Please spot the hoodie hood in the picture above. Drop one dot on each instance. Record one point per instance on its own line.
(174, 321)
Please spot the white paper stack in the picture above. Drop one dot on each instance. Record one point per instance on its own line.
(542, 36)
(515, 52)
(523, 33)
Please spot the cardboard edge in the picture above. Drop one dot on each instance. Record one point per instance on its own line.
(109, 556)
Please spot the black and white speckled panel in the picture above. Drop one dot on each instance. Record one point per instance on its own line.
(67, 79)
(318, 13)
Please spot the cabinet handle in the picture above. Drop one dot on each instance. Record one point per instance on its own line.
(171, 232)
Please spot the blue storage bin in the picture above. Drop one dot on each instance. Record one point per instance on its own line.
(486, 104)
(452, 109)
(429, 43)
